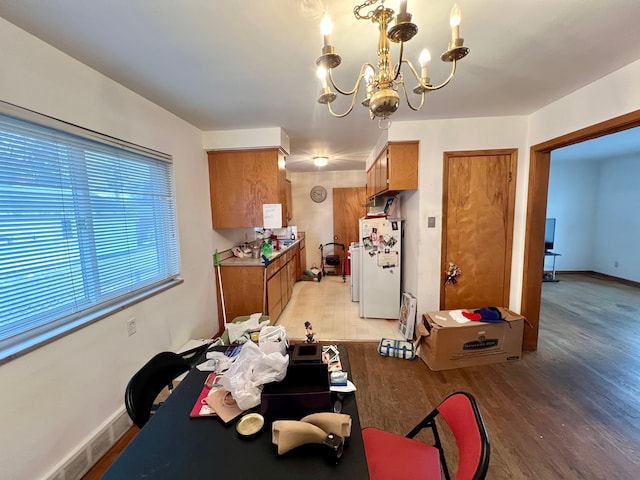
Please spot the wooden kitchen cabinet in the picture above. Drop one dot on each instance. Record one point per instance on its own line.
(241, 181)
(292, 268)
(274, 296)
(288, 200)
(302, 259)
(243, 289)
(244, 286)
(395, 170)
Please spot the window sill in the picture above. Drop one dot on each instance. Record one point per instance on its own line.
(10, 350)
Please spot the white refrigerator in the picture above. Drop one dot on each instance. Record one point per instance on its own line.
(380, 260)
(354, 254)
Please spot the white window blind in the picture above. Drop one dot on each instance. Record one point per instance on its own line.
(85, 225)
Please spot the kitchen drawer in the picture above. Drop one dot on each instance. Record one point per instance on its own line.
(274, 266)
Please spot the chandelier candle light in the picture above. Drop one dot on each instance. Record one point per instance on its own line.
(382, 97)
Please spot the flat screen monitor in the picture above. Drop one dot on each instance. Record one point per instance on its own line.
(549, 233)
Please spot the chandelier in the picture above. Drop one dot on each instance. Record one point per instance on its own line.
(382, 87)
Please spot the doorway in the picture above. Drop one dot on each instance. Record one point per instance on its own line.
(540, 160)
(348, 209)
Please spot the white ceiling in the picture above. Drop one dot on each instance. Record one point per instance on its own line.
(251, 64)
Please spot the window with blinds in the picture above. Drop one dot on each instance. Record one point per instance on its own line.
(87, 225)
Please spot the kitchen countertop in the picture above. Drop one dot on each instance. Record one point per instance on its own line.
(255, 262)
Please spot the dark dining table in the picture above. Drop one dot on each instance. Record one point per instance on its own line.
(173, 445)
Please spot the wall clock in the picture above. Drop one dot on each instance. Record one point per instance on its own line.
(318, 194)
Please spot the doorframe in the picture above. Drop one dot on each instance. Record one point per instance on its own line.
(513, 161)
(539, 165)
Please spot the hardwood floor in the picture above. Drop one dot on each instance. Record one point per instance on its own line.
(105, 462)
(571, 410)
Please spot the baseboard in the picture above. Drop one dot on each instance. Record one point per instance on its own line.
(92, 448)
(631, 283)
(604, 276)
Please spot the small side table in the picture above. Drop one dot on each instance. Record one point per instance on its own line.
(550, 276)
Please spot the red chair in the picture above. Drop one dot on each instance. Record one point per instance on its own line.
(394, 457)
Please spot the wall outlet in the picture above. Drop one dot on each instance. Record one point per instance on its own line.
(131, 326)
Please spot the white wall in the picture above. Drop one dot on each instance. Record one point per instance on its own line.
(422, 275)
(59, 395)
(572, 201)
(609, 97)
(617, 221)
(316, 219)
(613, 95)
(596, 206)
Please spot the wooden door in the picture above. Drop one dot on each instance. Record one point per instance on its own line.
(477, 227)
(348, 208)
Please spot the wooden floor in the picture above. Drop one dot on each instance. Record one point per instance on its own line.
(571, 410)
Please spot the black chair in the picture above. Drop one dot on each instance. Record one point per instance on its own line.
(391, 456)
(148, 382)
(194, 355)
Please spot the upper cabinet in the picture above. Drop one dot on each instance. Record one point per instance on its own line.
(395, 169)
(241, 181)
(289, 200)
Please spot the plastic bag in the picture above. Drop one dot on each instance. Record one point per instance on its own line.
(273, 339)
(251, 370)
(240, 329)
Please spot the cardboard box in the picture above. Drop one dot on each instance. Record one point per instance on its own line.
(443, 343)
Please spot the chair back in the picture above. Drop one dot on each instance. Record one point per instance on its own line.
(148, 382)
(463, 417)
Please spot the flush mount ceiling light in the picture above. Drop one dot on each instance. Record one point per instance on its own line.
(382, 86)
(320, 161)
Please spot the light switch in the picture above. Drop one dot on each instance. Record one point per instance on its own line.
(431, 222)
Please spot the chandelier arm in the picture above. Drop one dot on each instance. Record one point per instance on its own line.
(341, 115)
(431, 87)
(400, 62)
(443, 84)
(413, 70)
(406, 96)
(356, 86)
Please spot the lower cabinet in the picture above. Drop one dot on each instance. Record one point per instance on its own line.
(302, 260)
(244, 290)
(274, 296)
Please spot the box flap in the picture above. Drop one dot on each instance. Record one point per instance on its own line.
(421, 331)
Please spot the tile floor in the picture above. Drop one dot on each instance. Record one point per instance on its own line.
(334, 317)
